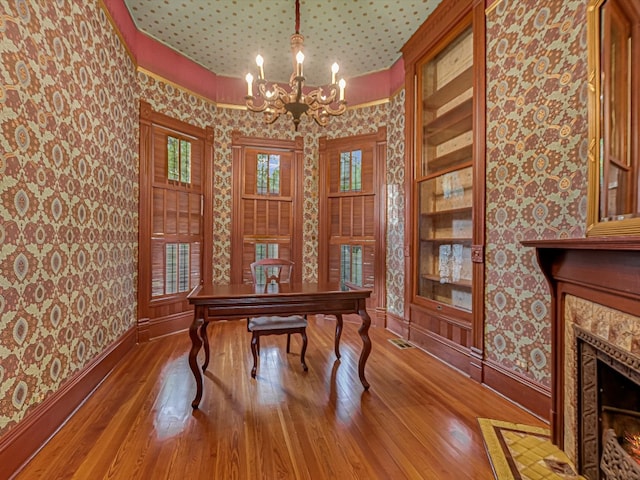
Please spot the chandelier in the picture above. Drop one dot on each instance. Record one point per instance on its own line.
(274, 100)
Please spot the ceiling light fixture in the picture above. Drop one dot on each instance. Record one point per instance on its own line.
(274, 100)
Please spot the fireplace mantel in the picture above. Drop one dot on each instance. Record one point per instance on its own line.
(603, 270)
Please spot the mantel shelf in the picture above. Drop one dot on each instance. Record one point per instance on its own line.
(627, 242)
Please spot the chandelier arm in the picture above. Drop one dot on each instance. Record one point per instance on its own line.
(326, 105)
(315, 106)
(278, 91)
(342, 107)
(256, 108)
(317, 96)
(271, 116)
(320, 119)
(328, 110)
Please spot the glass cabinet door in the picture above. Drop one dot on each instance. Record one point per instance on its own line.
(445, 174)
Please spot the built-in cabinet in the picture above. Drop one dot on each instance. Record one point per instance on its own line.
(444, 63)
(444, 177)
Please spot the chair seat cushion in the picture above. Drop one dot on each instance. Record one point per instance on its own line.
(275, 322)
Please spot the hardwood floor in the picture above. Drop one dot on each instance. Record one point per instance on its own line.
(418, 421)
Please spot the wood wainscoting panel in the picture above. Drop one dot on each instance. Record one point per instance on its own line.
(23, 441)
(397, 325)
(445, 337)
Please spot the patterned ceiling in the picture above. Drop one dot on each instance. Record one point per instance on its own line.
(225, 36)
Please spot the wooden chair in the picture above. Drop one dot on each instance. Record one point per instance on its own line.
(272, 272)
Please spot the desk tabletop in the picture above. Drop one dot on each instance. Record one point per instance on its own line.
(202, 293)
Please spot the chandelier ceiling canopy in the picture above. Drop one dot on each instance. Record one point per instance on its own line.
(273, 100)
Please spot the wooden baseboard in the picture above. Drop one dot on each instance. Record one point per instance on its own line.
(24, 440)
(519, 389)
(397, 325)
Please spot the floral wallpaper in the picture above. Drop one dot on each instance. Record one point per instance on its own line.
(395, 206)
(536, 177)
(69, 190)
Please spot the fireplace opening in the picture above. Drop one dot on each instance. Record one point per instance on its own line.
(609, 410)
(619, 410)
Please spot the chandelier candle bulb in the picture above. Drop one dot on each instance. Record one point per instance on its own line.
(299, 60)
(334, 70)
(260, 63)
(342, 84)
(249, 78)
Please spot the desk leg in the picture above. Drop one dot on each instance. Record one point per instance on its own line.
(205, 341)
(338, 334)
(366, 343)
(196, 343)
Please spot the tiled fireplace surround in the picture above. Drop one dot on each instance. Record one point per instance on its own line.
(595, 287)
(606, 337)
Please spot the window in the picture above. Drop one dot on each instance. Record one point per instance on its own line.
(265, 250)
(170, 268)
(183, 264)
(176, 268)
(351, 264)
(351, 171)
(268, 174)
(178, 159)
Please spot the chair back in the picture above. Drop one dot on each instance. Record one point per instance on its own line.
(271, 270)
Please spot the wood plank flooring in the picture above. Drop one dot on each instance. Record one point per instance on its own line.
(418, 420)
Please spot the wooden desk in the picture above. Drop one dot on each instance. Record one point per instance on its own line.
(227, 302)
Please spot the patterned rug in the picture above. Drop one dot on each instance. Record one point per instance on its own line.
(523, 452)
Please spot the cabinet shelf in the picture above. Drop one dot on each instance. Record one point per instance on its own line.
(450, 211)
(450, 125)
(451, 159)
(449, 91)
(465, 240)
(459, 283)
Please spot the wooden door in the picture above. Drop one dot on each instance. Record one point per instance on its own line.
(175, 159)
(267, 204)
(351, 244)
